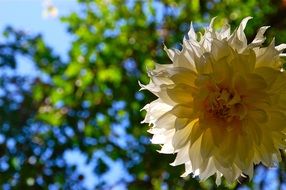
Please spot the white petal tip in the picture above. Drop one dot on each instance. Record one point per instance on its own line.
(141, 85)
(184, 175)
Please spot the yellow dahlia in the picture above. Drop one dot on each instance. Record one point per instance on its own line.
(221, 104)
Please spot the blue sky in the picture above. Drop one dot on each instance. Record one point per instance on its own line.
(27, 15)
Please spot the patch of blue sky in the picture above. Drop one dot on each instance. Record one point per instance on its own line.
(268, 177)
(75, 157)
(119, 135)
(27, 15)
(260, 173)
(25, 66)
(272, 179)
(113, 177)
(131, 67)
(116, 173)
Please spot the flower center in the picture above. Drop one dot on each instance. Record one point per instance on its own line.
(222, 104)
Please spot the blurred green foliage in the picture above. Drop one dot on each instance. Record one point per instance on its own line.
(91, 103)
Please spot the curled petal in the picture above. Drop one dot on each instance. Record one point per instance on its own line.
(259, 38)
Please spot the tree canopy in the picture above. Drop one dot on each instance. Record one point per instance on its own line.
(91, 101)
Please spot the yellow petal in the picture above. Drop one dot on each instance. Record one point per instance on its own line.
(207, 144)
(181, 137)
(181, 93)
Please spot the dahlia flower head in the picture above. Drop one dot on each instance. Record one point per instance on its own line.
(221, 104)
